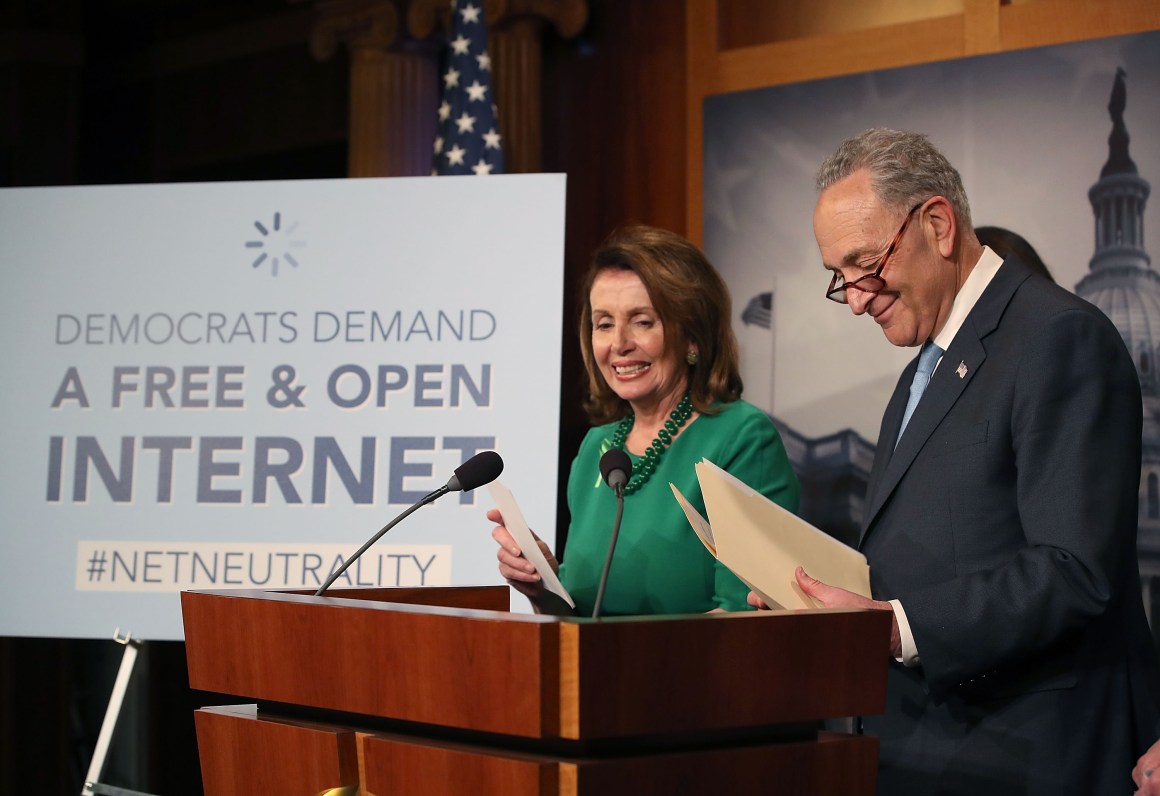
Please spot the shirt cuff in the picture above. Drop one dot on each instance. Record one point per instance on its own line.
(909, 650)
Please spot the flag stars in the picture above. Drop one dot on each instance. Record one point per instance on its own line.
(475, 92)
(466, 123)
(467, 138)
(470, 13)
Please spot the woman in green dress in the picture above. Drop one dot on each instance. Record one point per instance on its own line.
(664, 385)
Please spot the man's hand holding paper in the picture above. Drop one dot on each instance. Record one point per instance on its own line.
(833, 597)
(764, 544)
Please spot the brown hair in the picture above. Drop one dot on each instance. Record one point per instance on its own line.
(693, 305)
(1004, 242)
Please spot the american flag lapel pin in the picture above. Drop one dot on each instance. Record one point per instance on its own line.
(962, 370)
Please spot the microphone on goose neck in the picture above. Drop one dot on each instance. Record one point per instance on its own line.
(480, 469)
(615, 469)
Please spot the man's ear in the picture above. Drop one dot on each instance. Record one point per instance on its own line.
(943, 224)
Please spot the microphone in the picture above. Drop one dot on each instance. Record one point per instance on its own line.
(615, 469)
(480, 469)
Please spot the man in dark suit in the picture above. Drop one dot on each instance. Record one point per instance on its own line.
(1000, 516)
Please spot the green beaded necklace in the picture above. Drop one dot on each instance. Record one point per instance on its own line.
(652, 455)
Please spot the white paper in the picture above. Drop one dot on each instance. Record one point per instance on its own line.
(700, 524)
(513, 520)
(729, 478)
(763, 543)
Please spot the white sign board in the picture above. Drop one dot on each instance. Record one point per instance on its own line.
(236, 384)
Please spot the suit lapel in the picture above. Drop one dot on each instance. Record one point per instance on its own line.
(959, 365)
(891, 421)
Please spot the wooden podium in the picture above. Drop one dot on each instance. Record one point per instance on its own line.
(437, 691)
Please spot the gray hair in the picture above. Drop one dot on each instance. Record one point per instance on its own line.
(905, 169)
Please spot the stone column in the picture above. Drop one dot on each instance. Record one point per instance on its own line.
(394, 88)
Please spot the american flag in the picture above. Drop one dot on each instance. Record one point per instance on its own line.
(467, 139)
(759, 311)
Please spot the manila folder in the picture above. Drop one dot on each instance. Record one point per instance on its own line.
(763, 544)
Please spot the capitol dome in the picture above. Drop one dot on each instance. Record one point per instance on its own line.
(1122, 282)
(1124, 285)
(1130, 296)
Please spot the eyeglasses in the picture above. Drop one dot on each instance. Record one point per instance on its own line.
(871, 283)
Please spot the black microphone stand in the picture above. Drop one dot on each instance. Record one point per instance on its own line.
(619, 491)
(429, 498)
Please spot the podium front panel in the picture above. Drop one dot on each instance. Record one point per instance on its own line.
(531, 676)
(243, 754)
(449, 667)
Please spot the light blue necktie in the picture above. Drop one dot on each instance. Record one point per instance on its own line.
(926, 362)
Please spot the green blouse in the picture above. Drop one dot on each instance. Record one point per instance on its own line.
(660, 565)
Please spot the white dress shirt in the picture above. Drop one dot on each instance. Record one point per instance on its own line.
(965, 300)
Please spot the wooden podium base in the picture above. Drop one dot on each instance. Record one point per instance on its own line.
(253, 753)
(387, 692)
(831, 764)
